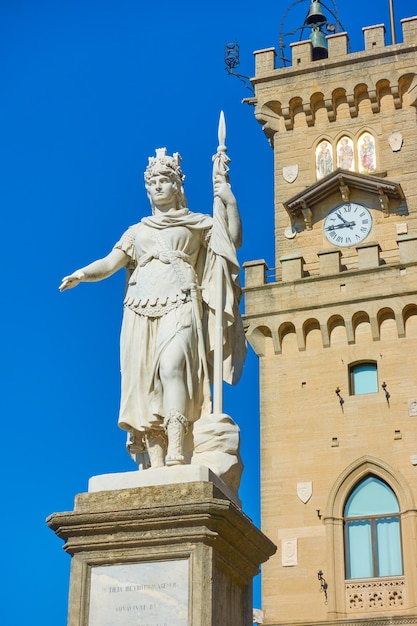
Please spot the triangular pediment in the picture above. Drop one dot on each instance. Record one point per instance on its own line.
(342, 182)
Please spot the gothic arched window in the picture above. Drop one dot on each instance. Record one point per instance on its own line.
(372, 531)
(366, 153)
(324, 159)
(345, 154)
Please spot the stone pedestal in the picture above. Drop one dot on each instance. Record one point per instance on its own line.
(180, 554)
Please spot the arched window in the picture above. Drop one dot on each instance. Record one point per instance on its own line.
(372, 531)
(345, 154)
(363, 378)
(366, 153)
(324, 159)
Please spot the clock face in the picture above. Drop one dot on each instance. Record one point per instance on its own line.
(347, 224)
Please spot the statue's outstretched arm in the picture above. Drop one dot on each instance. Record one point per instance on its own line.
(98, 270)
(223, 190)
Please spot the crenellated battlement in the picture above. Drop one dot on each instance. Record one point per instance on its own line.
(300, 301)
(389, 71)
(374, 41)
(332, 263)
(314, 113)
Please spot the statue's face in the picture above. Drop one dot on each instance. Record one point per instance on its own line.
(162, 191)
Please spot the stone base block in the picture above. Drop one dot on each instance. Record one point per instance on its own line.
(178, 554)
(160, 476)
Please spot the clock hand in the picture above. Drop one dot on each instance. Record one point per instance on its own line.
(345, 225)
(343, 220)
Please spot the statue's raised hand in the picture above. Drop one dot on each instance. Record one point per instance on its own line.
(68, 282)
(223, 190)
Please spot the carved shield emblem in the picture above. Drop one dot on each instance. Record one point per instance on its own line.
(289, 555)
(412, 408)
(290, 173)
(304, 491)
(395, 140)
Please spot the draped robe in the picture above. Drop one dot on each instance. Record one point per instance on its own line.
(168, 254)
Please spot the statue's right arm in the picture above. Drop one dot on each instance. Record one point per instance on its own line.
(98, 270)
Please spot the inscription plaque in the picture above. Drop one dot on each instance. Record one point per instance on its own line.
(140, 594)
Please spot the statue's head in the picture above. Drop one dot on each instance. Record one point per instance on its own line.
(168, 166)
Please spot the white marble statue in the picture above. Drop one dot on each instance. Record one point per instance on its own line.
(167, 336)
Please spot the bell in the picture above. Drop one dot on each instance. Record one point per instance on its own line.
(319, 44)
(315, 15)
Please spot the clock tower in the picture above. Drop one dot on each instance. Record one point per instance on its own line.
(335, 330)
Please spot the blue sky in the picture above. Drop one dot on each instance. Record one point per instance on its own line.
(89, 90)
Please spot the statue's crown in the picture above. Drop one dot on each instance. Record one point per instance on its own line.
(164, 161)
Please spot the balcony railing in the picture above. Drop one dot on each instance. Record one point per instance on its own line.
(381, 594)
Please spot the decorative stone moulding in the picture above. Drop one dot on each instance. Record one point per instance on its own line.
(306, 103)
(375, 595)
(342, 181)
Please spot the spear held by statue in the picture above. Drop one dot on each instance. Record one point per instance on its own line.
(220, 169)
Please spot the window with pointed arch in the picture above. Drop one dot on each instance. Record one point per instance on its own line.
(366, 153)
(324, 159)
(345, 154)
(372, 531)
